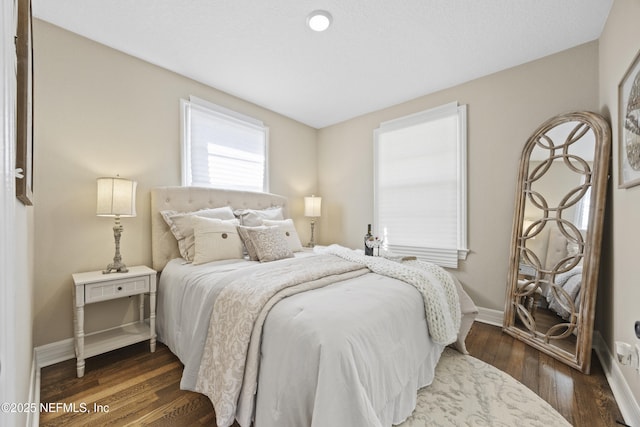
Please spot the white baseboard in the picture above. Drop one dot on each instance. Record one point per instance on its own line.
(50, 354)
(45, 355)
(33, 417)
(619, 387)
(490, 316)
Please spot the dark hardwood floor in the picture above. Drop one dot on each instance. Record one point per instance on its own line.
(584, 400)
(133, 387)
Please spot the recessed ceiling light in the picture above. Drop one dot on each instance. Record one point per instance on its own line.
(319, 20)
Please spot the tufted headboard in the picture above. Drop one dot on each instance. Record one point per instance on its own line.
(550, 246)
(164, 246)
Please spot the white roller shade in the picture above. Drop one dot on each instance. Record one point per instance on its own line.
(419, 185)
(223, 150)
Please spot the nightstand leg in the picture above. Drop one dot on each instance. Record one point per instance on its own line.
(152, 320)
(78, 323)
(141, 307)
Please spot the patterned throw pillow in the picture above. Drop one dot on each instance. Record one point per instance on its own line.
(246, 239)
(289, 231)
(269, 243)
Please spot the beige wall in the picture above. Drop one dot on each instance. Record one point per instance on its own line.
(619, 292)
(99, 112)
(503, 110)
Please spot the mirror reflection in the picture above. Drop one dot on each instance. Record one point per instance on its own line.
(552, 228)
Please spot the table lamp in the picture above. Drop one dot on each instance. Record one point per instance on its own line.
(116, 198)
(312, 209)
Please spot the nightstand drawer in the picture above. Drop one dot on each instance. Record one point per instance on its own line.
(115, 289)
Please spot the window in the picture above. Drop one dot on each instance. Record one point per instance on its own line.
(222, 148)
(582, 210)
(420, 184)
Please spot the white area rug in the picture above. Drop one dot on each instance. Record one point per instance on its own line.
(469, 392)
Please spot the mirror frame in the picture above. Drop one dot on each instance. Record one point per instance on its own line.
(581, 360)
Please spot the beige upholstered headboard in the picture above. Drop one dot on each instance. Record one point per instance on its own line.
(164, 246)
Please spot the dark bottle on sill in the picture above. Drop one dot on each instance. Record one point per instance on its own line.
(367, 249)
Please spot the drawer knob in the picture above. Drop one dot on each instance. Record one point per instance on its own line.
(119, 288)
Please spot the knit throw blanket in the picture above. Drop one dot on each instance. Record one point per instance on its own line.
(438, 290)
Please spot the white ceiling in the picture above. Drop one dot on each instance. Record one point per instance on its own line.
(376, 54)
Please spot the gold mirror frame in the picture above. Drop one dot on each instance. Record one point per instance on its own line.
(564, 333)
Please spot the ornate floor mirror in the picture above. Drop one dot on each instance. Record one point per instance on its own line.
(556, 237)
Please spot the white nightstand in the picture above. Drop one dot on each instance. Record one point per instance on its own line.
(95, 286)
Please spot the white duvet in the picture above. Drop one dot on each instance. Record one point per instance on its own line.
(352, 353)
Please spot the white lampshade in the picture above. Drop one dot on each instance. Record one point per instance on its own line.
(116, 197)
(312, 206)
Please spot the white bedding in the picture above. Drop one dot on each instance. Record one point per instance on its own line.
(184, 301)
(328, 357)
(564, 297)
(331, 360)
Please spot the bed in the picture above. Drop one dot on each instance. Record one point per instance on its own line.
(323, 341)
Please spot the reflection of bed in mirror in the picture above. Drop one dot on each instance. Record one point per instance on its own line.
(559, 281)
(551, 297)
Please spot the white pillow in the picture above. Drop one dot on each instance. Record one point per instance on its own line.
(254, 217)
(269, 243)
(216, 240)
(180, 225)
(289, 231)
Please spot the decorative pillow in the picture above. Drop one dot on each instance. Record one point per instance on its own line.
(215, 240)
(289, 230)
(180, 225)
(254, 217)
(246, 239)
(269, 243)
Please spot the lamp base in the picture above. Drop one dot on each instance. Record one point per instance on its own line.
(312, 242)
(117, 266)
